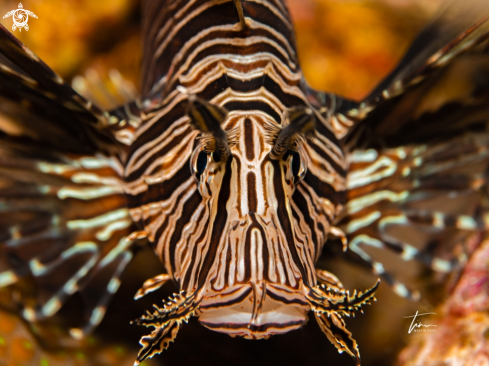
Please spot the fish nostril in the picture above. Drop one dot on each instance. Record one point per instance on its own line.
(235, 224)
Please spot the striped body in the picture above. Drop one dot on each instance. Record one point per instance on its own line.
(237, 173)
(245, 229)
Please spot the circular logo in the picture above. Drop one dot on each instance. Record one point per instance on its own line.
(20, 18)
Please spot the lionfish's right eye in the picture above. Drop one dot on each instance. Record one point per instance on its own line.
(199, 163)
(296, 164)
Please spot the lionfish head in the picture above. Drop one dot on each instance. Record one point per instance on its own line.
(244, 253)
(247, 167)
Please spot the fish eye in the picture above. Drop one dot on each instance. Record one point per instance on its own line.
(199, 164)
(296, 164)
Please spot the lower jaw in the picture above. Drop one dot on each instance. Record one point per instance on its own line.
(251, 331)
(222, 313)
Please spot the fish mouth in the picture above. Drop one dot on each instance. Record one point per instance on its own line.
(243, 311)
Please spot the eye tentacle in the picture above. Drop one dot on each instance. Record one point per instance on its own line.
(301, 122)
(207, 118)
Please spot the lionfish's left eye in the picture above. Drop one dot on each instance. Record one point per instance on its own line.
(297, 164)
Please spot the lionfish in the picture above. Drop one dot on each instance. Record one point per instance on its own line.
(236, 172)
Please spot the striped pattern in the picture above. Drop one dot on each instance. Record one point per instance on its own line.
(236, 172)
(257, 79)
(64, 220)
(243, 232)
(419, 156)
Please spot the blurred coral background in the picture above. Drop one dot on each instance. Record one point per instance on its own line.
(345, 47)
